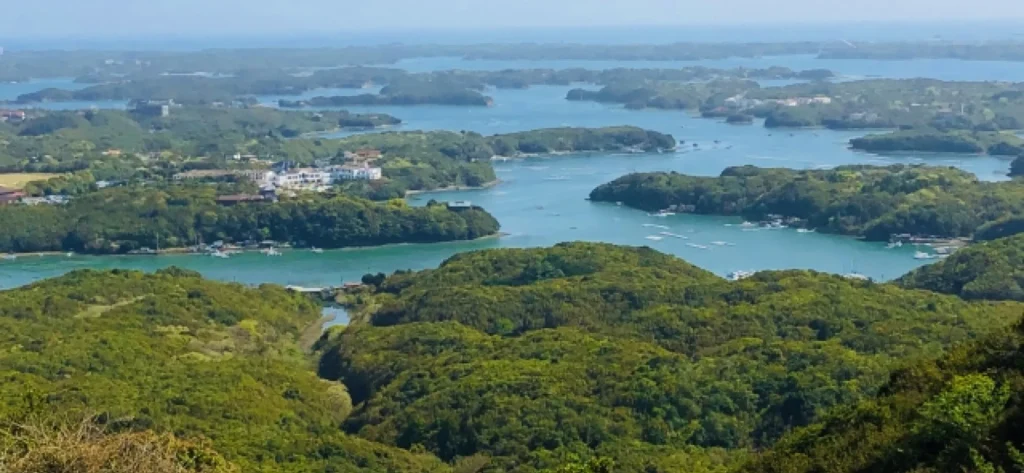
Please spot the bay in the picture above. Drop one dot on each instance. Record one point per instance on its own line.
(541, 201)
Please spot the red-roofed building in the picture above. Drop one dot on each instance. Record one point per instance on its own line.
(10, 196)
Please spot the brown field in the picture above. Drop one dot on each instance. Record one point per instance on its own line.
(18, 180)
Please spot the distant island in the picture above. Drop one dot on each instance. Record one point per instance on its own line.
(871, 202)
(935, 141)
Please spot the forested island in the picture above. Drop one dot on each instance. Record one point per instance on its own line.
(123, 220)
(935, 141)
(865, 201)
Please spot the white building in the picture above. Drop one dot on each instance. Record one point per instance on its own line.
(353, 173)
(299, 178)
(307, 178)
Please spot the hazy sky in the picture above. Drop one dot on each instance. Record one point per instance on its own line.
(230, 17)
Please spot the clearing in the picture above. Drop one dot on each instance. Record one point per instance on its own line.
(18, 180)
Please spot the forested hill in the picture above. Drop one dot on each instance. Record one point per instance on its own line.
(960, 413)
(172, 352)
(991, 270)
(120, 220)
(873, 202)
(532, 356)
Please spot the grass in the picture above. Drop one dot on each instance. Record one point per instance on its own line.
(85, 447)
(18, 180)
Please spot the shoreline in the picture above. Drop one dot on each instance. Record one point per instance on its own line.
(188, 250)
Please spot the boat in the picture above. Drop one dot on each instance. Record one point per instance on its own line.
(271, 252)
(748, 224)
(662, 214)
(10, 257)
(804, 230)
(69, 254)
(317, 250)
(923, 255)
(722, 243)
(694, 245)
(652, 225)
(737, 275)
(895, 244)
(219, 254)
(654, 237)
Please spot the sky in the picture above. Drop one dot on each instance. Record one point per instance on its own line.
(107, 18)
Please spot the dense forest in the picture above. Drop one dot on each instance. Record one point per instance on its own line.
(992, 270)
(867, 201)
(120, 220)
(173, 353)
(961, 412)
(532, 357)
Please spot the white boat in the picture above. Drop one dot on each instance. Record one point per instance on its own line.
(923, 255)
(694, 245)
(651, 225)
(271, 252)
(316, 250)
(895, 244)
(219, 254)
(10, 257)
(804, 230)
(737, 275)
(674, 235)
(69, 254)
(662, 214)
(748, 224)
(654, 237)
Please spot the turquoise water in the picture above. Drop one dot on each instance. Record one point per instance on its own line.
(541, 201)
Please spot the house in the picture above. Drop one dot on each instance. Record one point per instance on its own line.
(368, 154)
(10, 196)
(12, 115)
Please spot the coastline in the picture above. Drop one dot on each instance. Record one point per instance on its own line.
(189, 251)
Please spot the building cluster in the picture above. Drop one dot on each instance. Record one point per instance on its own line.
(154, 108)
(286, 175)
(10, 196)
(740, 101)
(12, 115)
